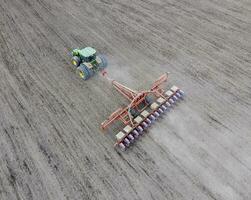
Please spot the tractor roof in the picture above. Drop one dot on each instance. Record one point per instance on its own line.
(87, 51)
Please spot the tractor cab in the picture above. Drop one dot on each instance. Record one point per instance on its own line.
(88, 54)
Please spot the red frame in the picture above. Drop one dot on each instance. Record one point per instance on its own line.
(135, 99)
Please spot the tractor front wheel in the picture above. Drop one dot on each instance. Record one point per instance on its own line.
(75, 61)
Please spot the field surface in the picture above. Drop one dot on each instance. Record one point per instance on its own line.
(51, 147)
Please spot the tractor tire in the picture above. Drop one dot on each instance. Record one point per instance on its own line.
(83, 72)
(75, 60)
(103, 63)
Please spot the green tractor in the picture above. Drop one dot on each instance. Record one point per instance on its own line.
(87, 62)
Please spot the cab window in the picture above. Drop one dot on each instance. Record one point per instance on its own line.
(91, 58)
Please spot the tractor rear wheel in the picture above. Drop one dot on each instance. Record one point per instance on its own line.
(103, 63)
(83, 72)
(75, 60)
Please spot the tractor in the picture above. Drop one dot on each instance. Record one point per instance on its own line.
(87, 62)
